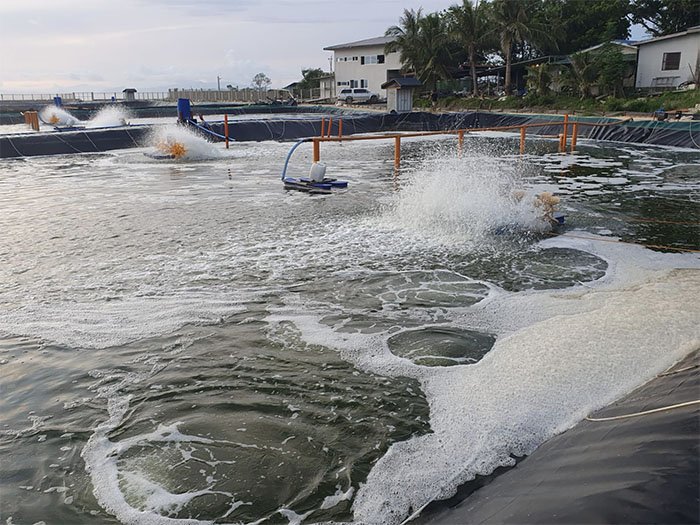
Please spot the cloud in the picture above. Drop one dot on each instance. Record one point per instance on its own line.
(151, 44)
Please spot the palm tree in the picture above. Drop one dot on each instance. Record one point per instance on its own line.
(423, 45)
(512, 26)
(470, 28)
(406, 40)
(435, 50)
(582, 74)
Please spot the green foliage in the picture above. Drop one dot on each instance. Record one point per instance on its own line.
(310, 78)
(539, 79)
(671, 101)
(261, 81)
(663, 17)
(611, 66)
(469, 26)
(579, 24)
(423, 45)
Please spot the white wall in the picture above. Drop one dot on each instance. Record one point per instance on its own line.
(348, 66)
(650, 60)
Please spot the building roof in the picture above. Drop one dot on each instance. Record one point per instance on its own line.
(402, 82)
(627, 44)
(376, 41)
(694, 29)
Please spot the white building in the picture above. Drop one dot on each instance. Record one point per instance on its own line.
(667, 61)
(364, 64)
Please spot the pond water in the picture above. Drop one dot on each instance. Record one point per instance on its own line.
(184, 341)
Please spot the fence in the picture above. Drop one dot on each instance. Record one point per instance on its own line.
(246, 95)
(85, 96)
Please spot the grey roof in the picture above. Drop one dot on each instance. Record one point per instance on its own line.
(402, 82)
(693, 29)
(621, 43)
(376, 41)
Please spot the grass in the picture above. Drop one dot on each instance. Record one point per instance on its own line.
(671, 101)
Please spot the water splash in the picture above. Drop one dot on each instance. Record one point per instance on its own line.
(182, 143)
(467, 199)
(56, 116)
(109, 116)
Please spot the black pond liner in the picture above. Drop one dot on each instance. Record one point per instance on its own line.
(680, 134)
(643, 469)
(441, 346)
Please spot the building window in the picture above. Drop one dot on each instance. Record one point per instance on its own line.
(371, 59)
(341, 83)
(363, 83)
(353, 83)
(672, 61)
(355, 59)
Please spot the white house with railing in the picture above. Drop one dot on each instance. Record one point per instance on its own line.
(667, 61)
(364, 64)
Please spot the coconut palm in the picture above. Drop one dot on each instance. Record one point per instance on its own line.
(406, 40)
(469, 26)
(513, 27)
(423, 46)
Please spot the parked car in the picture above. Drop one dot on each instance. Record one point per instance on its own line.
(350, 95)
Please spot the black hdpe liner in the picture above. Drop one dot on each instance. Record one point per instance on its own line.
(678, 134)
(643, 469)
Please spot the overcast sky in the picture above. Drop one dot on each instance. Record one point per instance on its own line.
(53, 46)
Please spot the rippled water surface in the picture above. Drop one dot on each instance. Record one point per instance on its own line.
(183, 341)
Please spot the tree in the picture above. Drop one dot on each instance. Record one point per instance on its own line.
(511, 21)
(406, 40)
(423, 46)
(610, 65)
(582, 74)
(469, 26)
(261, 81)
(310, 78)
(539, 79)
(663, 17)
(579, 24)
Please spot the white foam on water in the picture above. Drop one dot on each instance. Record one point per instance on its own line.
(56, 116)
(331, 501)
(109, 116)
(560, 355)
(101, 462)
(83, 325)
(196, 147)
(464, 199)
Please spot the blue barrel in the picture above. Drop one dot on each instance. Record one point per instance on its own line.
(184, 111)
(57, 102)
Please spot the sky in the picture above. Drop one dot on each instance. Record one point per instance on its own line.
(52, 46)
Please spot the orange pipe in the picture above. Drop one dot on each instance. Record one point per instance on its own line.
(397, 151)
(522, 140)
(574, 136)
(323, 127)
(226, 129)
(317, 149)
(330, 126)
(340, 128)
(566, 132)
(460, 141)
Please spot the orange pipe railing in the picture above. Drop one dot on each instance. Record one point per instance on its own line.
(459, 132)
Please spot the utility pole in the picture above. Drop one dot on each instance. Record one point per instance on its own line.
(218, 83)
